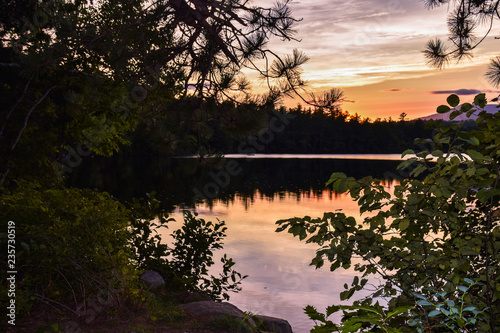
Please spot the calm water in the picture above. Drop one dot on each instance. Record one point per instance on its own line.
(250, 195)
(281, 282)
(379, 157)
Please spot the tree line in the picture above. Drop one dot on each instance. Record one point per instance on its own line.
(307, 132)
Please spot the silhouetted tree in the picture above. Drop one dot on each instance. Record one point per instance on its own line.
(402, 116)
(76, 72)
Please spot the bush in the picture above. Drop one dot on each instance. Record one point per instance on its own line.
(186, 262)
(70, 244)
(439, 227)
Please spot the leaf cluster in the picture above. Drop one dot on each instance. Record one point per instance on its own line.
(70, 244)
(436, 227)
(444, 312)
(357, 318)
(186, 262)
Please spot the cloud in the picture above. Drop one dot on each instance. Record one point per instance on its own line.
(457, 91)
(492, 91)
(397, 89)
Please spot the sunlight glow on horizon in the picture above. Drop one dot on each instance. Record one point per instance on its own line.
(372, 50)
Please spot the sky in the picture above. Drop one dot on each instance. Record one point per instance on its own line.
(372, 50)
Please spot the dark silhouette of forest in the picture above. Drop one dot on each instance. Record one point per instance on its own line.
(325, 133)
(304, 131)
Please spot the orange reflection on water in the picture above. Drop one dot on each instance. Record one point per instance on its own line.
(281, 282)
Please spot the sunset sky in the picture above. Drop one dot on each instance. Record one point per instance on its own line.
(372, 50)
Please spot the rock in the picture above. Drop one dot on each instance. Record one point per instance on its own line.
(207, 311)
(189, 297)
(152, 280)
(276, 325)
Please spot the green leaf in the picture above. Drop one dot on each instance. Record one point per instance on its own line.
(332, 309)
(469, 308)
(437, 153)
(470, 112)
(483, 195)
(398, 310)
(453, 100)
(335, 176)
(475, 155)
(355, 281)
(468, 251)
(480, 100)
(434, 313)
(406, 152)
(443, 109)
(414, 322)
(313, 314)
(404, 224)
(341, 185)
(466, 107)
(469, 281)
(470, 171)
(472, 140)
(420, 296)
(455, 114)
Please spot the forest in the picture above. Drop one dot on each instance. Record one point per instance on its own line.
(305, 131)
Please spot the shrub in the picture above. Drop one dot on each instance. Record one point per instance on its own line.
(70, 244)
(439, 226)
(187, 261)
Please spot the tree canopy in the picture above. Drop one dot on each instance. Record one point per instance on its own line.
(89, 72)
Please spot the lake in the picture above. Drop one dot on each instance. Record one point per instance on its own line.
(250, 193)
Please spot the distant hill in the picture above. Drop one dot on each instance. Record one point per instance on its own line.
(490, 108)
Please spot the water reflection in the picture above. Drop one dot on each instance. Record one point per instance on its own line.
(175, 180)
(281, 282)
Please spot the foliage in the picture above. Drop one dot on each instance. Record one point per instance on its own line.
(207, 42)
(359, 318)
(150, 252)
(77, 78)
(70, 244)
(445, 312)
(466, 17)
(192, 254)
(191, 126)
(186, 262)
(164, 308)
(438, 226)
(80, 72)
(76, 250)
